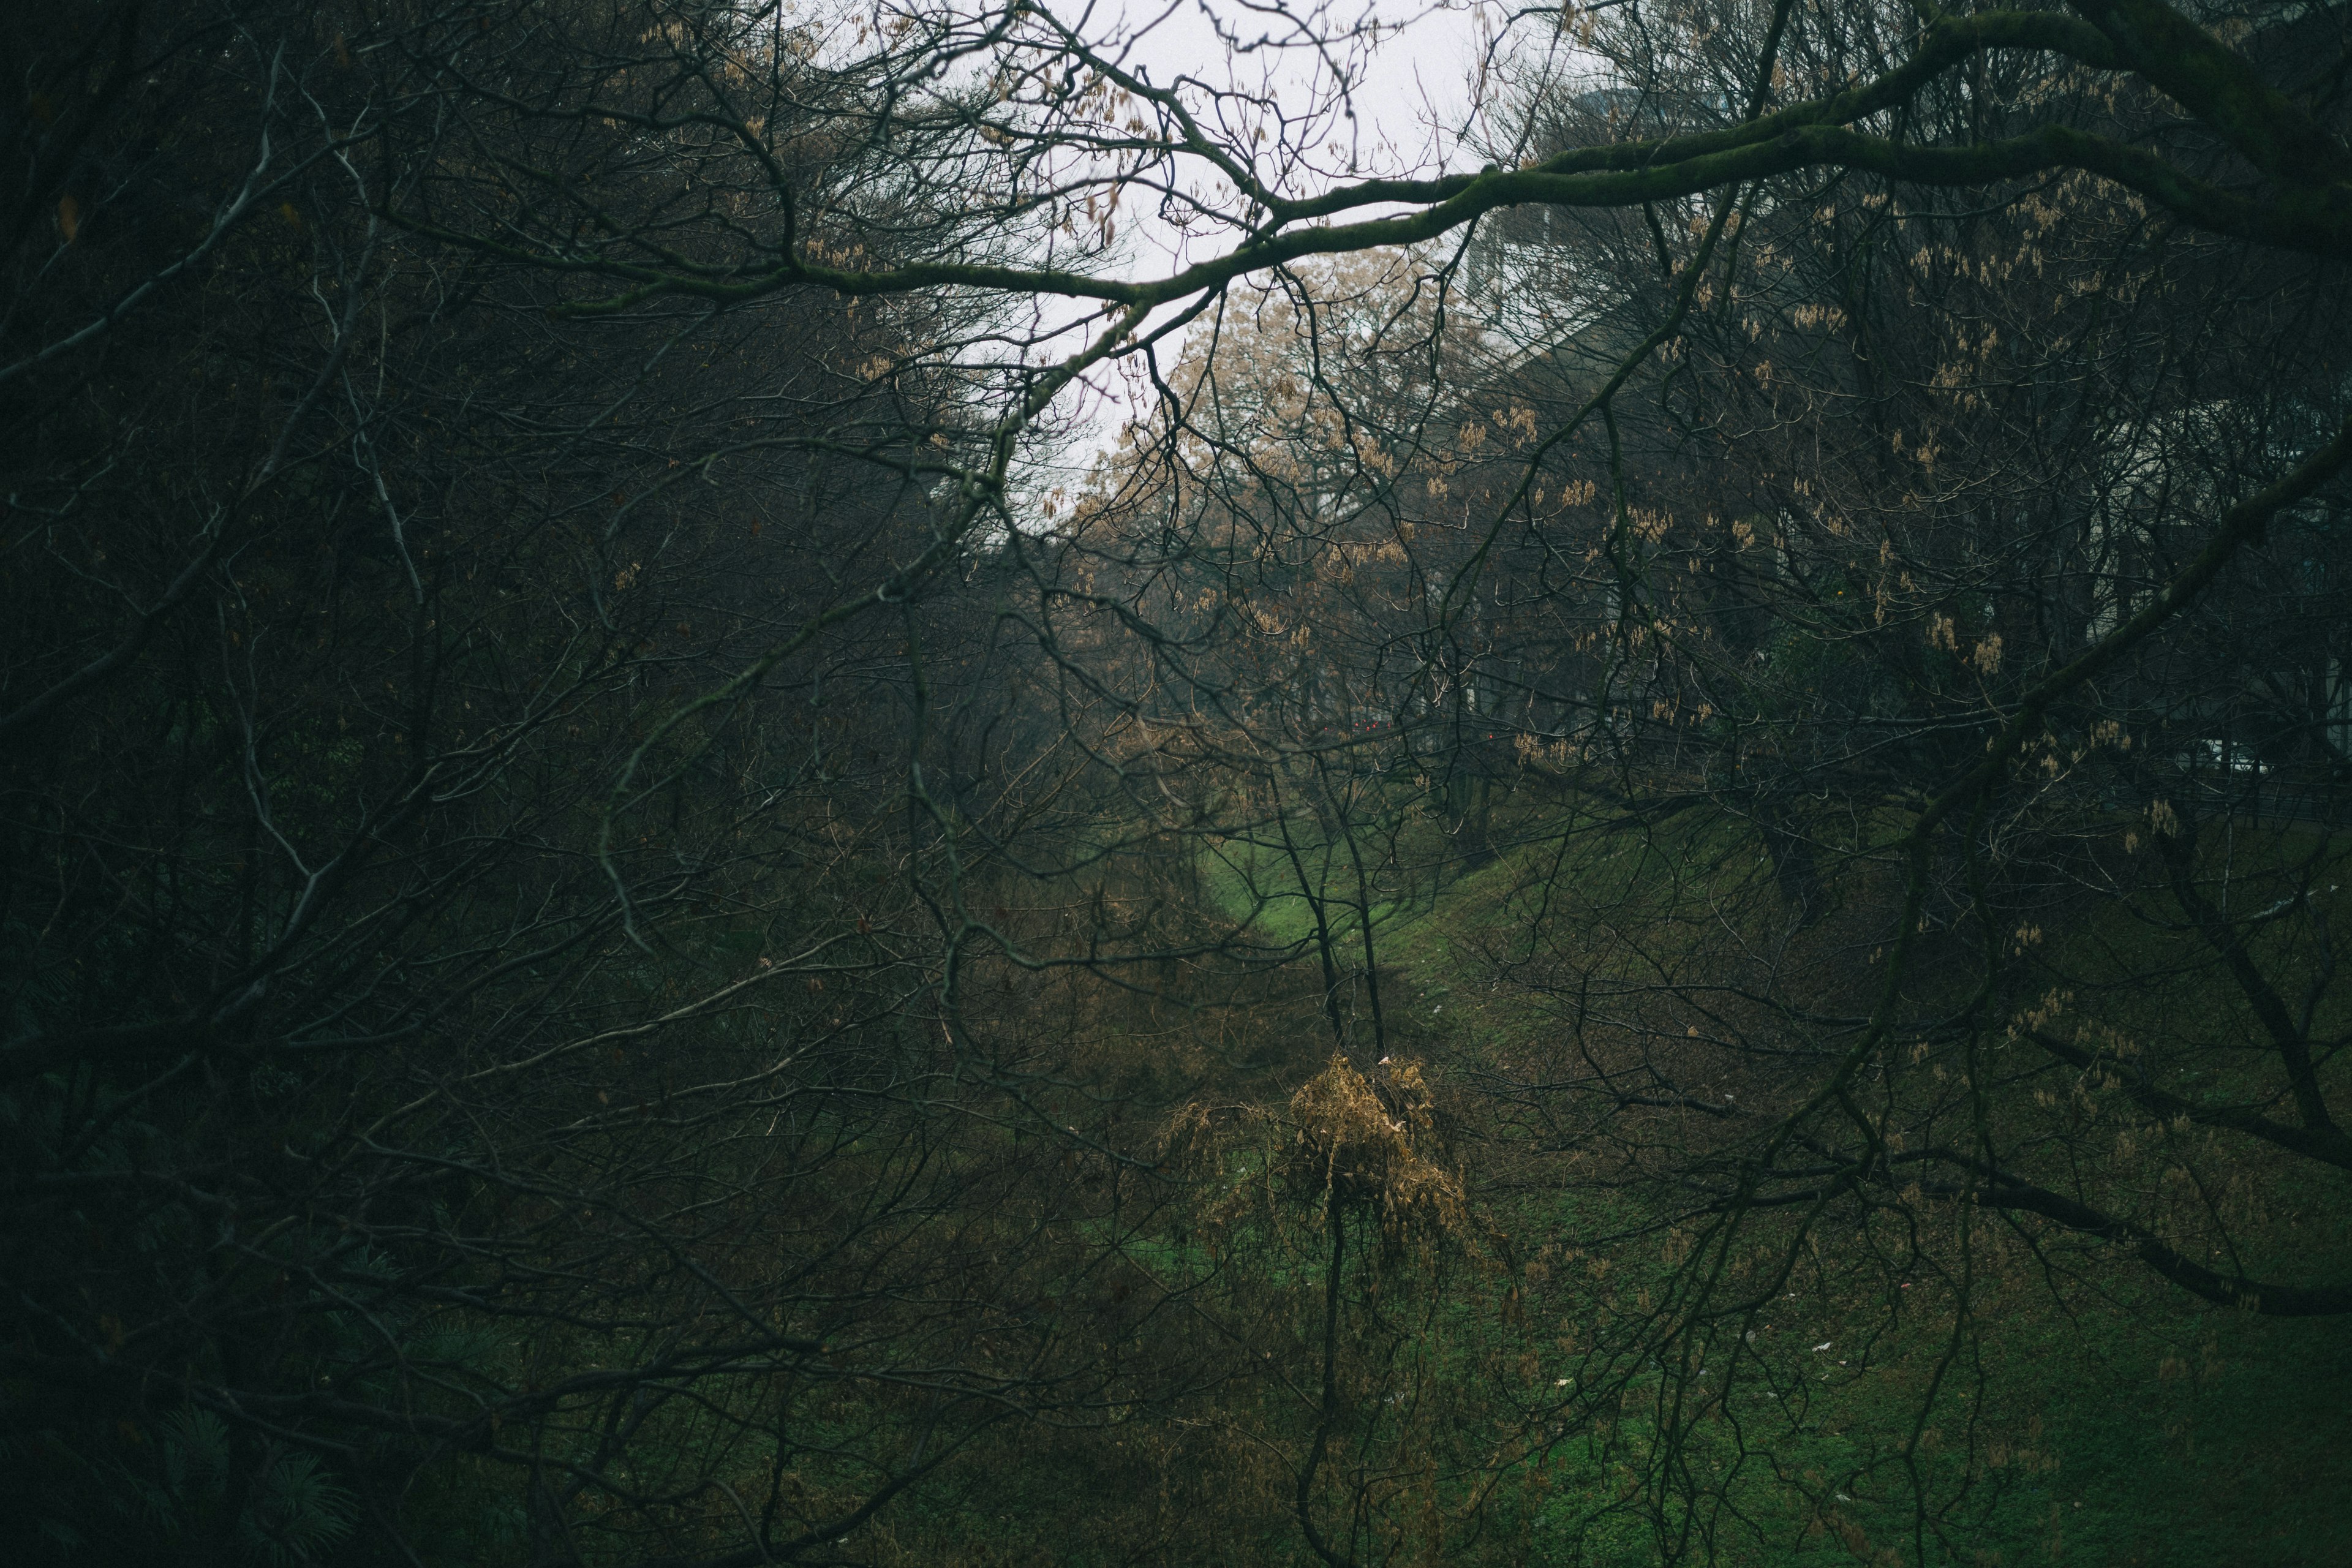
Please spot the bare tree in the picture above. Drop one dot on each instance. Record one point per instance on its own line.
(563, 750)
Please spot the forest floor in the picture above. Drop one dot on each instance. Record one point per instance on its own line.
(2122, 1422)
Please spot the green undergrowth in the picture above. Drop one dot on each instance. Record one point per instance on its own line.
(2106, 1418)
(2165, 1437)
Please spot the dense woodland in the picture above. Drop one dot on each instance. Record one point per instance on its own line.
(725, 840)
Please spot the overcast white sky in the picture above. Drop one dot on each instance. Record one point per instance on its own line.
(1414, 107)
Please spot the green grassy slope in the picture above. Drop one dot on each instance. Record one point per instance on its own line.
(2118, 1420)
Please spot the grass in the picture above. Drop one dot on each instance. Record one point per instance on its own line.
(2132, 1425)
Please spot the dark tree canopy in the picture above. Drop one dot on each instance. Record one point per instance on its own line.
(650, 917)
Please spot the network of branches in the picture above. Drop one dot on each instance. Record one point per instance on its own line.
(788, 782)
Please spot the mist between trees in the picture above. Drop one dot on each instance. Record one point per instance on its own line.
(1651, 861)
